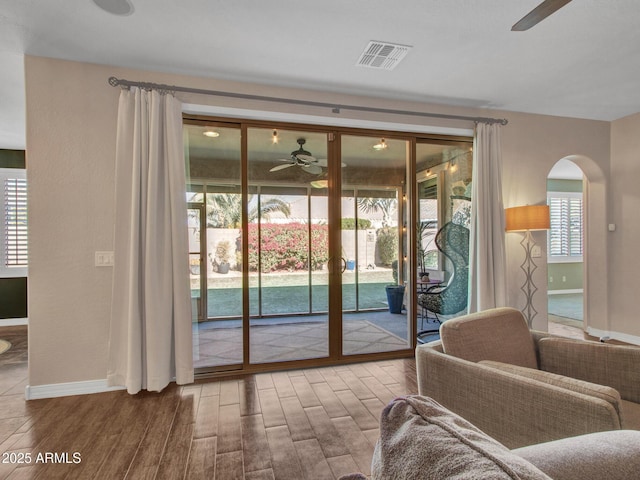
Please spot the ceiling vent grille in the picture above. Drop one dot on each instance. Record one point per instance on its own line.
(382, 55)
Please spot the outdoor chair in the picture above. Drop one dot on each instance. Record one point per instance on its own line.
(453, 241)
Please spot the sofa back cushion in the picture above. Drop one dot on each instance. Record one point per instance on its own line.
(499, 334)
(419, 439)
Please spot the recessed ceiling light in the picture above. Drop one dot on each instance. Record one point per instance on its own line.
(116, 7)
(380, 146)
(211, 133)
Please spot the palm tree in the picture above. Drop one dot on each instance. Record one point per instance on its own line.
(224, 210)
(387, 206)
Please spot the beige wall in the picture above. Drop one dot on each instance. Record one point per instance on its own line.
(624, 260)
(71, 118)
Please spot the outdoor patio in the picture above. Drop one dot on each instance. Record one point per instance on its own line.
(299, 337)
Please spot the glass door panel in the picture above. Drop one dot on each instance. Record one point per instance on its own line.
(288, 249)
(224, 255)
(375, 310)
(213, 165)
(444, 178)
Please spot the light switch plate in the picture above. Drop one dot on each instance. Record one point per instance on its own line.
(104, 259)
(536, 251)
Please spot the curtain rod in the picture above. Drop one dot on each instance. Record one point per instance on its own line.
(335, 108)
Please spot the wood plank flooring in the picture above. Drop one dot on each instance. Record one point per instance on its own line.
(316, 423)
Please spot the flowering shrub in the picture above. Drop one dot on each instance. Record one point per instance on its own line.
(286, 247)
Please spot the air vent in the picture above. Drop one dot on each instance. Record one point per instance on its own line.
(382, 55)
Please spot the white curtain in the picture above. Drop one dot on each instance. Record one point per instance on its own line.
(487, 262)
(150, 341)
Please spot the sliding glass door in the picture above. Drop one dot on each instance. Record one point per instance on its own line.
(299, 247)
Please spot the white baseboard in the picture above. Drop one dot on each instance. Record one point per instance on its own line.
(65, 389)
(12, 322)
(622, 337)
(560, 292)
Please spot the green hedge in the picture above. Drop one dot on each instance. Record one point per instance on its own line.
(286, 247)
(387, 245)
(350, 224)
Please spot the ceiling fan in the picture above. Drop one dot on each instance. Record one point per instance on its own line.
(535, 16)
(302, 159)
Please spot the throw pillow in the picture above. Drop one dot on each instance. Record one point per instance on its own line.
(420, 439)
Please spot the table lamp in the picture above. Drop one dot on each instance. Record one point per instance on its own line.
(528, 218)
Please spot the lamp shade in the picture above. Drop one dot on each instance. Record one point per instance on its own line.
(529, 217)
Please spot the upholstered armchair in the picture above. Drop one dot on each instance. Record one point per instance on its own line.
(524, 387)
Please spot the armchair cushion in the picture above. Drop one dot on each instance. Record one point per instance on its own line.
(421, 439)
(500, 334)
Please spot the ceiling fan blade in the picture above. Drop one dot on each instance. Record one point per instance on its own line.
(313, 169)
(538, 14)
(281, 167)
(306, 158)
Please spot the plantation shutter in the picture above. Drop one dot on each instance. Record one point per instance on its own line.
(15, 222)
(575, 227)
(566, 232)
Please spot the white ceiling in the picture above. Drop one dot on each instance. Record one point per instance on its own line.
(582, 61)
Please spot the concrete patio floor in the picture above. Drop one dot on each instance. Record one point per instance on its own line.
(220, 342)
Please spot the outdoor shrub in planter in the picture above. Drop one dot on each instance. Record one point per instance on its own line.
(221, 259)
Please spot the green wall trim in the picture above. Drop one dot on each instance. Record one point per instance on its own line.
(12, 159)
(13, 297)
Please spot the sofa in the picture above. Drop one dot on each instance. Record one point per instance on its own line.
(525, 387)
(420, 439)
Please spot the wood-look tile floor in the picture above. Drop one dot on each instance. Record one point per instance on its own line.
(316, 423)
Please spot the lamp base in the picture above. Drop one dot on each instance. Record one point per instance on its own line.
(528, 287)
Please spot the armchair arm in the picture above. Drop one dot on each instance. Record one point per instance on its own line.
(616, 366)
(514, 410)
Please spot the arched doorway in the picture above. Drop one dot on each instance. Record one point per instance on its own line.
(565, 248)
(594, 238)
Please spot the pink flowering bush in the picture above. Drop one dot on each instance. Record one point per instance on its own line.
(286, 247)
